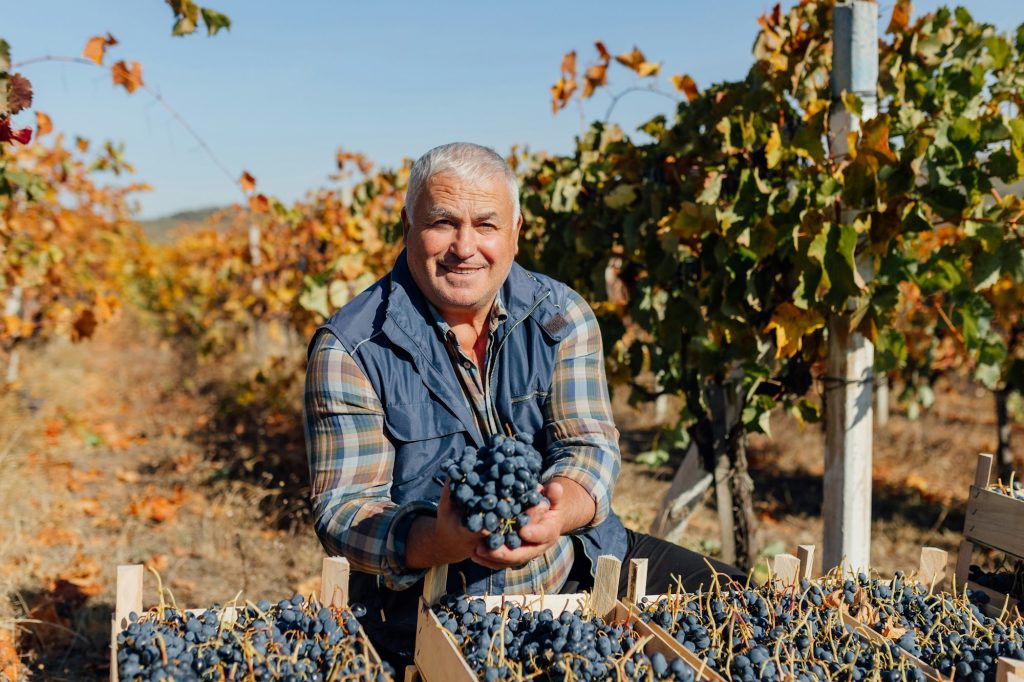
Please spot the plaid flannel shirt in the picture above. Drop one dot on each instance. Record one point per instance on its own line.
(351, 458)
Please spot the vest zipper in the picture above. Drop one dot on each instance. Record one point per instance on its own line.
(490, 368)
(488, 397)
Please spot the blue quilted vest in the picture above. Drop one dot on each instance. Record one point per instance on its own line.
(390, 333)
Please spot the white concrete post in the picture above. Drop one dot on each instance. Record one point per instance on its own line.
(847, 498)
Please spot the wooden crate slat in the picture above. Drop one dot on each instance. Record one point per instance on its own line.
(436, 656)
(995, 520)
(538, 602)
(704, 672)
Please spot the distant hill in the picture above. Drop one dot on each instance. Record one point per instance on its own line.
(162, 230)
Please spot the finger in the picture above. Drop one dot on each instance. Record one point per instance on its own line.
(554, 491)
(545, 531)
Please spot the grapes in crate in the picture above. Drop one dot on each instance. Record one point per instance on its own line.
(291, 640)
(523, 644)
(495, 486)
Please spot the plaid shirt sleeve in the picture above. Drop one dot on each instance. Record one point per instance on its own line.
(350, 467)
(583, 440)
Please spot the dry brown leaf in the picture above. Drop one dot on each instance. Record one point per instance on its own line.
(127, 476)
(128, 75)
(10, 664)
(44, 124)
(158, 562)
(96, 47)
(157, 508)
(52, 537)
(248, 182)
(685, 84)
(258, 203)
(89, 506)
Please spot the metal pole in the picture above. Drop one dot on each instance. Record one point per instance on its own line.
(847, 498)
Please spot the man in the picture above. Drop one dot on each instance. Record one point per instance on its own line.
(458, 343)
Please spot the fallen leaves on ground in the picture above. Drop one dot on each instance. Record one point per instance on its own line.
(157, 508)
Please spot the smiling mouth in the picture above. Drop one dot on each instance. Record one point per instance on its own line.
(460, 272)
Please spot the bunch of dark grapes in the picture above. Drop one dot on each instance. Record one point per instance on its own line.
(1015, 489)
(1008, 581)
(495, 486)
(292, 640)
(761, 634)
(538, 645)
(946, 631)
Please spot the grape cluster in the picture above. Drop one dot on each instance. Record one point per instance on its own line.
(1015, 489)
(946, 631)
(764, 633)
(520, 644)
(1009, 582)
(495, 486)
(291, 640)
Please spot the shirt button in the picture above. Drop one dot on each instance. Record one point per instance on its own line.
(467, 364)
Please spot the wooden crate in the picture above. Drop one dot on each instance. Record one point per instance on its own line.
(992, 520)
(333, 592)
(931, 571)
(439, 660)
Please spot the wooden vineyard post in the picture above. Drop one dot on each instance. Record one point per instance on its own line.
(846, 508)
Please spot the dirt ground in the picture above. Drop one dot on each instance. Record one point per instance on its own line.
(104, 461)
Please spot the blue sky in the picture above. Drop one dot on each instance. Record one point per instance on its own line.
(293, 81)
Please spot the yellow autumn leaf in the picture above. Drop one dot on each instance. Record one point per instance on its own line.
(791, 325)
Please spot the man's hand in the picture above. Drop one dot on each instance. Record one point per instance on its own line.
(441, 540)
(571, 507)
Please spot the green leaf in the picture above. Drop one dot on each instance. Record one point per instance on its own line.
(653, 458)
(183, 26)
(620, 197)
(840, 265)
(215, 21)
(5, 55)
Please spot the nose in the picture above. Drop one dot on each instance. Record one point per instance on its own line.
(463, 246)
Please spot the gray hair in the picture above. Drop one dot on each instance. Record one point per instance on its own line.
(466, 160)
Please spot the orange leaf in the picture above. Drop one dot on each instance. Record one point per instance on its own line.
(900, 17)
(248, 182)
(127, 476)
(84, 325)
(685, 84)
(128, 75)
(82, 144)
(258, 203)
(10, 664)
(569, 64)
(595, 77)
(44, 124)
(157, 508)
(96, 47)
(635, 60)
(605, 57)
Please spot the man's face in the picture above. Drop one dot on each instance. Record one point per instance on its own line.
(460, 241)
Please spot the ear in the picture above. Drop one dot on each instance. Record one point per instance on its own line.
(406, 225)
(515, 233)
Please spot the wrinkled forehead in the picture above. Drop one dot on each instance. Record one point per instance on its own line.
(449, 192)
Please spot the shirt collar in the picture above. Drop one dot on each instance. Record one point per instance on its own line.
(498, 315)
